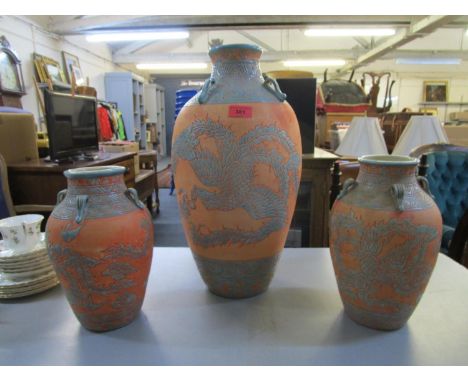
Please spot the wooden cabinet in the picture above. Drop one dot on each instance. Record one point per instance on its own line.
(38, 182)
(311, 216)
(126, 89)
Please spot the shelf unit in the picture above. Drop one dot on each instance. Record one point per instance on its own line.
(445, 105)
(155, 106)
(127, 89)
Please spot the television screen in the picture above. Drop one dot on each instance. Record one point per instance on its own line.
(301, 94)
(71, 124)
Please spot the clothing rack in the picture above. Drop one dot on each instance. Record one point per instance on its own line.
(111, 103)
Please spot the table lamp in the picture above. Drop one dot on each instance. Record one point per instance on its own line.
(420, 130)
(364, 137)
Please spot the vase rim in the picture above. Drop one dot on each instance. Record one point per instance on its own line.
(389, 160)
(219, 48)
(93, 172)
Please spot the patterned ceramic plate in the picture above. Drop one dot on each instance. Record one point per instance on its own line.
(28, 292)
(21, 276)
(31, 265)
(7, 284)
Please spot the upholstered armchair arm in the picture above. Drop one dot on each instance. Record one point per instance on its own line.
(459, 241)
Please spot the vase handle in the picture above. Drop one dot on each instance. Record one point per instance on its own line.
(203, 97)
(275, 90)
(61, 195)
(398, 195)
(132, 194)
(423, 182)
(81, 203)
(348, 185)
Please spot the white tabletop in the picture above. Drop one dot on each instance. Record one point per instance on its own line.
(298, 321)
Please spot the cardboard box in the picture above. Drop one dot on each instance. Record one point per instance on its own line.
(457, 134)
(18, 142)
(123, 147)
(459, 116)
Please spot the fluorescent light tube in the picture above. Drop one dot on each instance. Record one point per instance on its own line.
(428, 61)
(340, 32)
(332, 62)
(136, 36)
(172, 66)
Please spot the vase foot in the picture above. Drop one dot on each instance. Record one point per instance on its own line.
(236, 279)
(377, 321)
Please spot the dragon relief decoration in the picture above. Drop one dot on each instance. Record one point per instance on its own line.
(397, 270)
(232, 172)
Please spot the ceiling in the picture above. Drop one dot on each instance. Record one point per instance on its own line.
(282, 37)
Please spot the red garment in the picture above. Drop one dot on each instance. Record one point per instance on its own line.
(106, 129)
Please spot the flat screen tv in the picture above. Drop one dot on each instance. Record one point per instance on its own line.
(301, 93)
(71, 125)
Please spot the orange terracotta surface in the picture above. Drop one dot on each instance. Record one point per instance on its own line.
(374, 273)
(263, 114)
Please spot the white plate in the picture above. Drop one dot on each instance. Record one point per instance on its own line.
(28, 275)
(30, 265)
(30, 292)
(6, 284)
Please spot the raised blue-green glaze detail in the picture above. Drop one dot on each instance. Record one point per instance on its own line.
(235, 81)
(93, 172)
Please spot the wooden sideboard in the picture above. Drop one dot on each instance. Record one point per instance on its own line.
(312, 212)
(37, 182)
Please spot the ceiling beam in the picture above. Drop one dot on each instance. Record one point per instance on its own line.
(210, 22)
(362, 41)
(256, 40)
(132, 47)
(81, 24)
(346, 54)
(420, 28)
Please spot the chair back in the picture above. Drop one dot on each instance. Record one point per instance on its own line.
(6, 205)
(447, 173)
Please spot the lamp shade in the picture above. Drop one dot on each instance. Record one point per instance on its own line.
(364, 137)
(420, 130)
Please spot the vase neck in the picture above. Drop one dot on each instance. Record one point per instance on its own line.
(237, 70)
(96, 186)
(384, 176)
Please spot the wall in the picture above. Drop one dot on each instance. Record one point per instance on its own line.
(27, 37)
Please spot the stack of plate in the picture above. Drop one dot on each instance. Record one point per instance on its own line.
(25, 273)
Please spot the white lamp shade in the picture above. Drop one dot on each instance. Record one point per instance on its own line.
(364, 137)
(420, 130)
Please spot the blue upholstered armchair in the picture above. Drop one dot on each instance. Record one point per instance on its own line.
(446, 168)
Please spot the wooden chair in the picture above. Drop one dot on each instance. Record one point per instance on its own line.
(446, 168)
(7, 208)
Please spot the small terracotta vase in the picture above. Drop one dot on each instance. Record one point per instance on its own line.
(385, 233)
(100, 241)
(236, 154)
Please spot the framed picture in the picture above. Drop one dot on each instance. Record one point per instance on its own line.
(430, 111)
(70, 60)
(79, 80)
(435, 91)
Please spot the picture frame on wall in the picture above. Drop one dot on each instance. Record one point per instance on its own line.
(79, 79)
(435, 91)
(70, 61)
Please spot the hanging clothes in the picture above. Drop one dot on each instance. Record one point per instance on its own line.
(106, 132)
(121, 127)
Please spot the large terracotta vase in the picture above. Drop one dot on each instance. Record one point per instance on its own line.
(385, 234)
(100, 241)
(236, 154)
